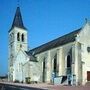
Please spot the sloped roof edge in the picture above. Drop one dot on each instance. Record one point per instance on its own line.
(70, 37)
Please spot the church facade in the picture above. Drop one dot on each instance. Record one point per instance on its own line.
(65, 59)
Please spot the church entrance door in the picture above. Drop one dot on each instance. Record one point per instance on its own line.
(88, 75)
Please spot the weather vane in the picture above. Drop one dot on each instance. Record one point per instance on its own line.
(18, 2)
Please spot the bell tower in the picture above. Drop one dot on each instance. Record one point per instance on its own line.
(17, 40)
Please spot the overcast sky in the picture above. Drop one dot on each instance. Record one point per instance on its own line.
(44, 19)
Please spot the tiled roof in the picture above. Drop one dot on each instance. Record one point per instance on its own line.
(32, 57)
(55, 43)
(17, 22)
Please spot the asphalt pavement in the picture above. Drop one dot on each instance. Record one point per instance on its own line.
(15, 87)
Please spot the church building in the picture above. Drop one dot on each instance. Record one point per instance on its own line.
(64, 60)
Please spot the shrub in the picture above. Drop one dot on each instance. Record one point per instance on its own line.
(16, 81)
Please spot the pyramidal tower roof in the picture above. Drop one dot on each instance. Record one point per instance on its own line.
(17, 22)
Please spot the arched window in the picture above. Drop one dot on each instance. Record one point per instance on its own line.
(55, 68)
(69, 64)
(44, 70)
(22, 37)
(68, 61)
(18, 36)
(69, 69)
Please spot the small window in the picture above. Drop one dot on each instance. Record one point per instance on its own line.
(18, 36)
(22, 37)
(88, 49)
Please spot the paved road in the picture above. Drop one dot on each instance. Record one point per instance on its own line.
(69, 88)
(14, 87)
(43, 86)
